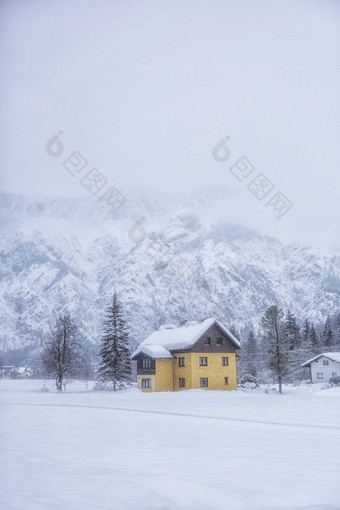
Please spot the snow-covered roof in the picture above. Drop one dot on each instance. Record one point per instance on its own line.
(155, 351)
(183, 337)
(334, 356)
(21, 370)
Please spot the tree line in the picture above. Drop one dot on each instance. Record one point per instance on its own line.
(282, 344)
(274, 353)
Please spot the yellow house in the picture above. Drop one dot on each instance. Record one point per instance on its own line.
(195, 355)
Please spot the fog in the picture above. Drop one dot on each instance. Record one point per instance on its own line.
(145, 91)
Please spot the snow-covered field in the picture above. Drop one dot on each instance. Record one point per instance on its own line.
(200, 450)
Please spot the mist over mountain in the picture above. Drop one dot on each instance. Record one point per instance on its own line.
(167, 256)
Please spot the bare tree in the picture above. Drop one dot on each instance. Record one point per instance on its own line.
(61, 354)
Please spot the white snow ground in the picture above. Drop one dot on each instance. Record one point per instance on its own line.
(199, 450)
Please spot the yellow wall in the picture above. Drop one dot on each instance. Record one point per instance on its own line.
(185, 371)
(214, 371)
(168, 372)
(164, 375)
(139, 382)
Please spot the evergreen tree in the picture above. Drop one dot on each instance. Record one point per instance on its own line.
(293, 340)
(338, 336)
(292, 331)
(335, 326)
(306, 334)
(327, 334)
(115, 365)
(337, 329)
(273, 325)
(314, 340)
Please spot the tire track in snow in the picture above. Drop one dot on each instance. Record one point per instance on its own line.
(185, 415)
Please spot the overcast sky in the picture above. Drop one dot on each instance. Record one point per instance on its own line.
(144, 90)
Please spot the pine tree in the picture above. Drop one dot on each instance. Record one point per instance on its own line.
(306, 334)
(306, 344)
(115, 365)
(327, 334)
(292, 331)
(336, 329)
(338, 336)
(314, 340)
(272, 323)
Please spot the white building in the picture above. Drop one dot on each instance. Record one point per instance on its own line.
(324, 366)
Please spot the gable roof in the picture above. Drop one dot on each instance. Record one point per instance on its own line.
(173, 338)
(334, 356)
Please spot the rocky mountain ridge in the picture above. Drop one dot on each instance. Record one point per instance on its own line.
(164, 260)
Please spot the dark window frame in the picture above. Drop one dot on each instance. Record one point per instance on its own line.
(146, 382)
(146, 363)
(181, 361)
(181, 382)
(207, 340)
(225, 361)
(202, 363)
(219, 340)
(226, 381)
(204, 382)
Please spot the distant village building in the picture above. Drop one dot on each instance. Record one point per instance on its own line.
(324, 366)
(13, 372)
(22, 373)
(195, 355)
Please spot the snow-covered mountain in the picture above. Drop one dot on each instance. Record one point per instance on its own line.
(162, 256)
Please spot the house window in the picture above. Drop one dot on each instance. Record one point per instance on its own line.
(207, 340)
(203, 362)
(181, 382)
(319, 375)
(181, 362)
(146, 383)
(204, 382)
(334, 374)
(219, 340)
(226, 381)
(146, 363)
(225, 361)
(325, 362)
